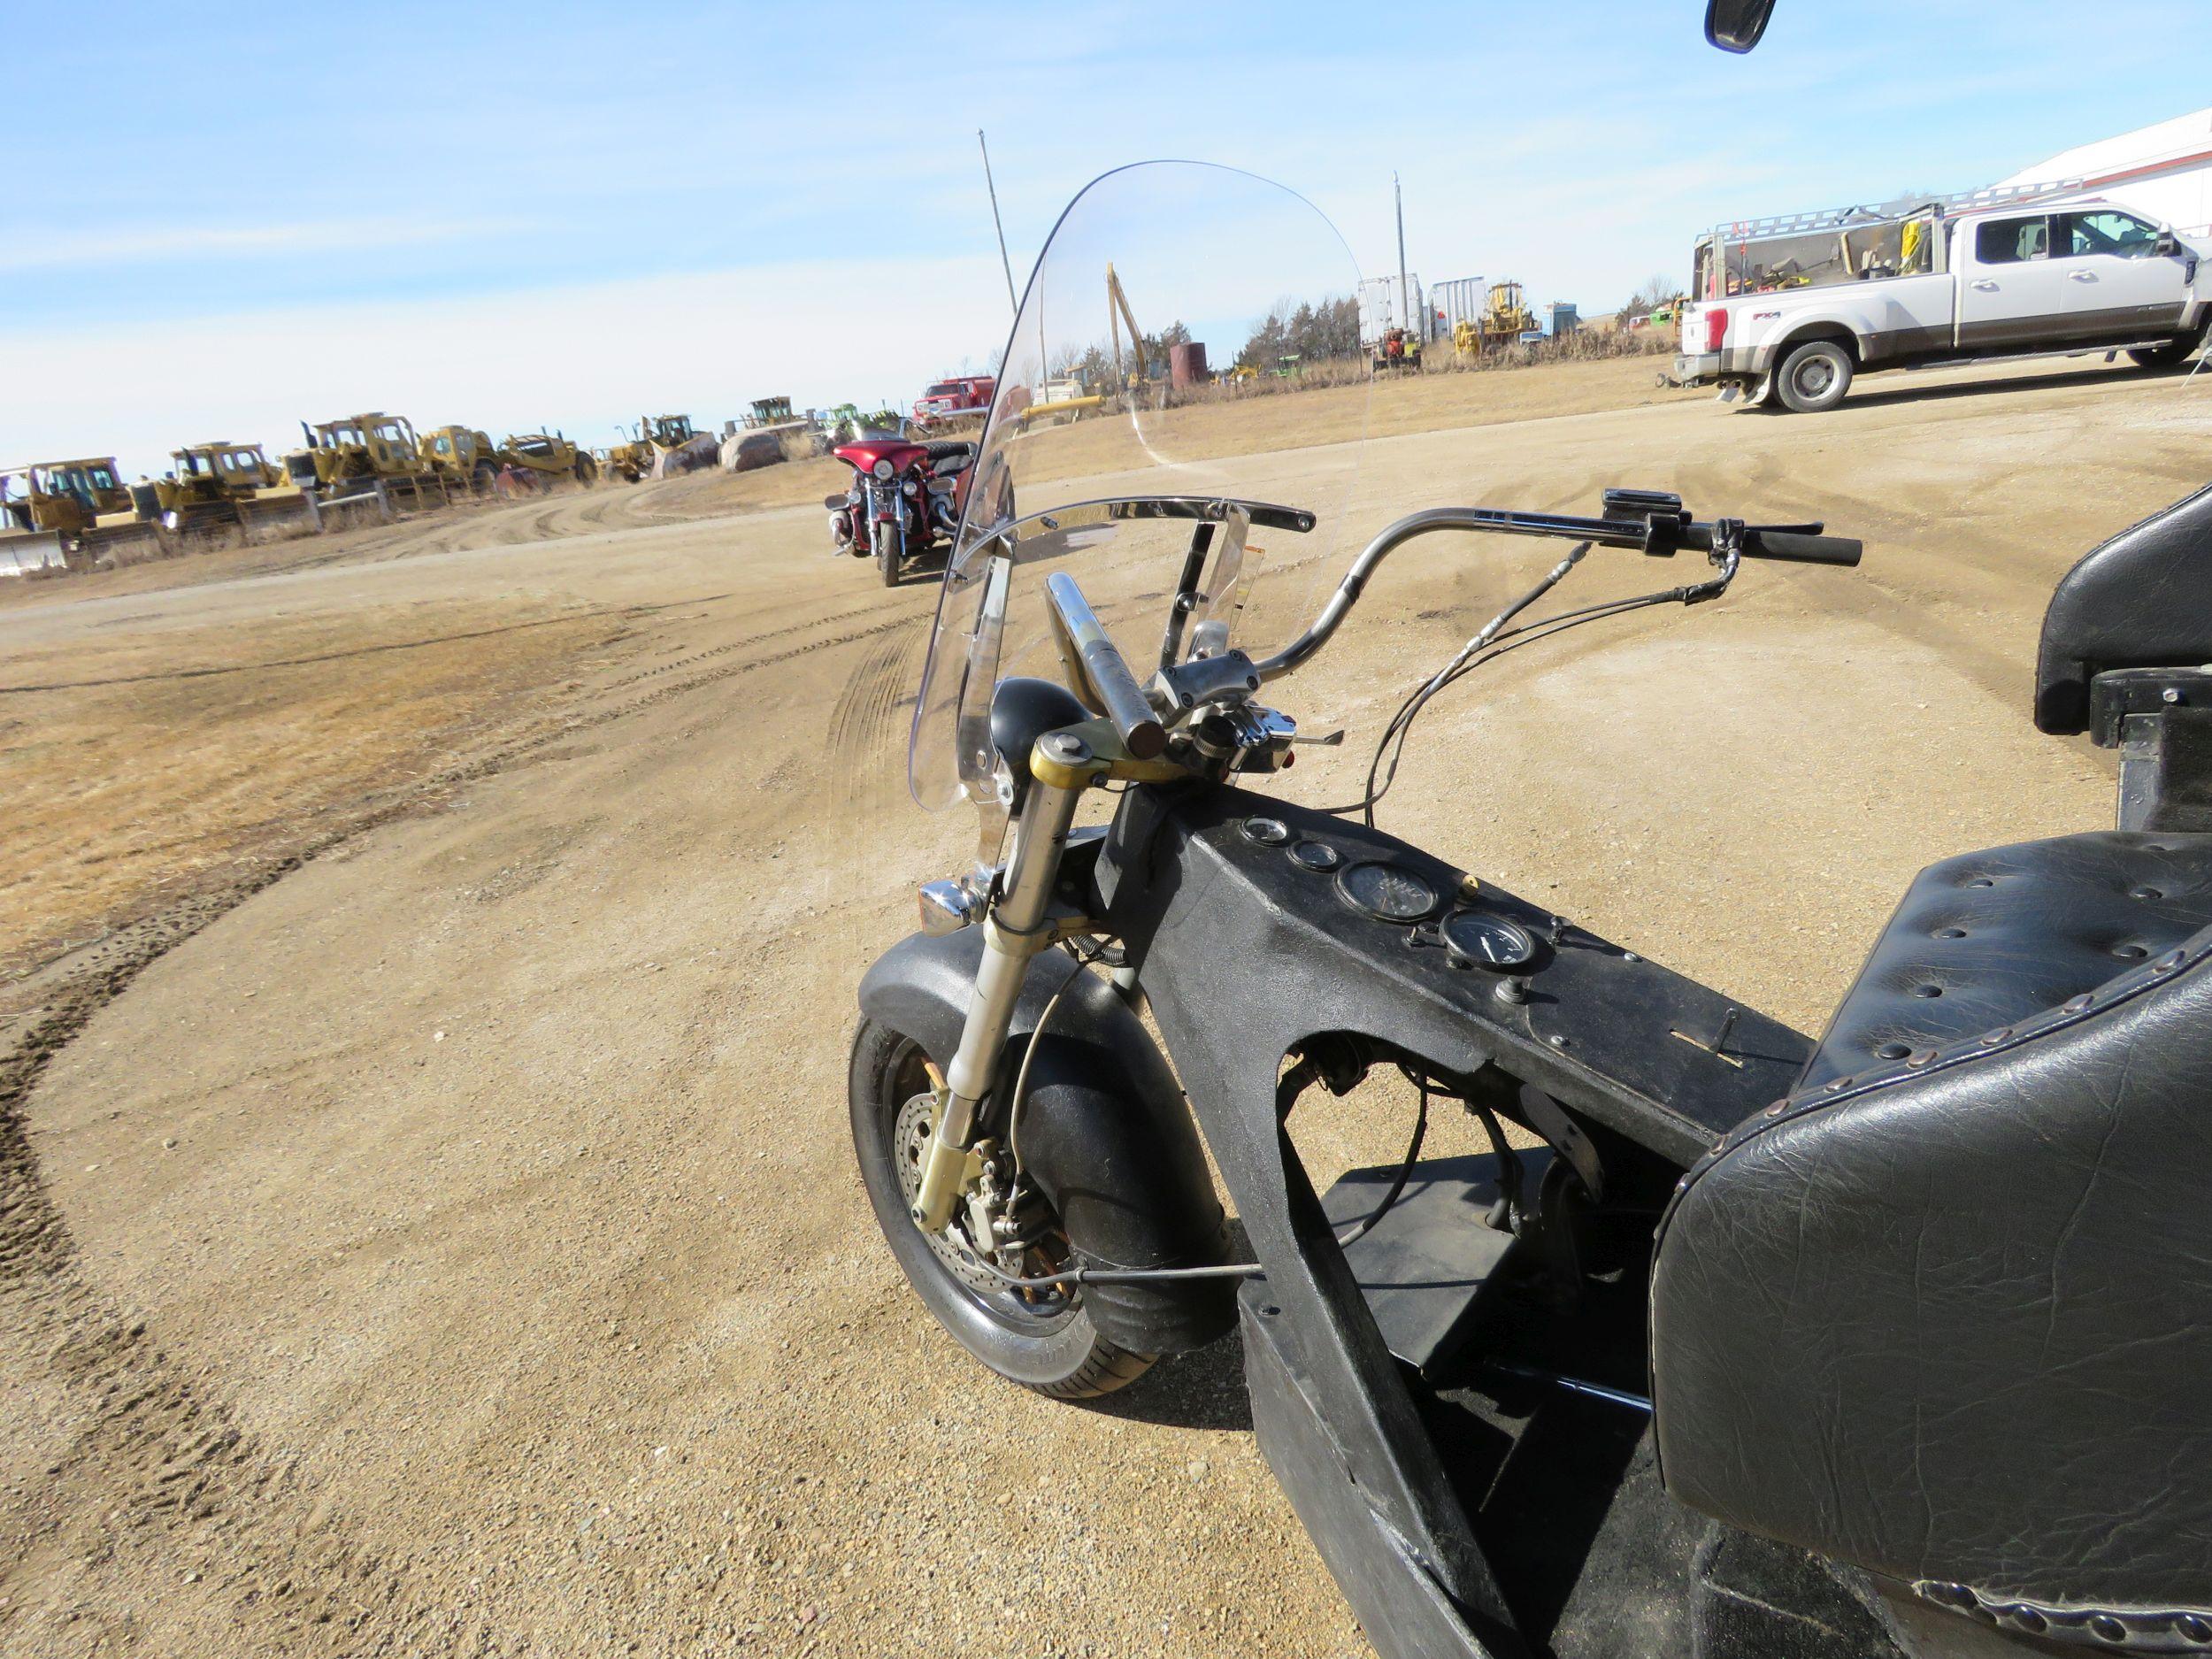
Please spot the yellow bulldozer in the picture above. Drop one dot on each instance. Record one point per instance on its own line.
(356, 450)
(206, 483)
(654, 447)
(1505, 319)
(66, 497)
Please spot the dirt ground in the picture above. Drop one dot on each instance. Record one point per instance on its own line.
(426, 1219)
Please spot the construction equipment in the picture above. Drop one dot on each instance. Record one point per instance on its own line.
(205, 482)
(67, 497)
(1117, 314)
(768, 411)
(462, 455)
(549, 458)
(658, 445)
(1504, 318)
(356, 450)
(1398, 349)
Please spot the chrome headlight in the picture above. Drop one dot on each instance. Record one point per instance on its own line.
(884, 470)
(912, 488)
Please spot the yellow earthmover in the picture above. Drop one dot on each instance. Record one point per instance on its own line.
(66, 497)
(549, 457)
(1505, 319)
(655, 447)
(464, 455)
(356, 449)
(206, 483)
(460, 455)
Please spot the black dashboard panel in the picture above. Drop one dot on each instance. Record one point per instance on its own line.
(1221, 920)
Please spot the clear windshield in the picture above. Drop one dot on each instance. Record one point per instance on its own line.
(1116, 384)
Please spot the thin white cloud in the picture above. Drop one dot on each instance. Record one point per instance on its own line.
(143, 244)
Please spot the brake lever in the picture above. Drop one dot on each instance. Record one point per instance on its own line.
(1326, 739)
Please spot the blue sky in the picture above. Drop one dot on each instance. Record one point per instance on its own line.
(566, 214)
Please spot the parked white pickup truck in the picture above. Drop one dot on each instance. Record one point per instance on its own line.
(1796, 308)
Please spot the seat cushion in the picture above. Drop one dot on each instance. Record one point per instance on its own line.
(1984, 940)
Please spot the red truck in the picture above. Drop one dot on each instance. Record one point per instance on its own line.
(962, 395)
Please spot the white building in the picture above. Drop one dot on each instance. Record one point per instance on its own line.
(2163, 172)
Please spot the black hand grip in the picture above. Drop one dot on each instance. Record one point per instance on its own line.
(1803, 549)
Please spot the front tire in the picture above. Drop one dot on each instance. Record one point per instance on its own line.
(1045, 1342)
(2172, 354)
(1815, 376)
(886, 541)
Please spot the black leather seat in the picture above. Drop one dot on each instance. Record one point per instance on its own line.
(1984, 941)
(1945, 1313)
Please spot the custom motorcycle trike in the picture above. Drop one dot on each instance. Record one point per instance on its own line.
(1733, 1342)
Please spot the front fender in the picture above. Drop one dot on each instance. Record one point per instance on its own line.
(1105, 1131)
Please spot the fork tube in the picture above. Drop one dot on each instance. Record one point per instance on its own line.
(1015, 932)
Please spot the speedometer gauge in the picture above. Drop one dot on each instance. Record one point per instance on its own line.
(1389, 892)
(1473, 939)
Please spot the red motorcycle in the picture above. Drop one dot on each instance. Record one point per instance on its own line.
(905, 498)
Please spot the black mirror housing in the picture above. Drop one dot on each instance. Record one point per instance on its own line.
(1735, 26)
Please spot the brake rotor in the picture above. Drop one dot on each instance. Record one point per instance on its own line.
(909, 1145)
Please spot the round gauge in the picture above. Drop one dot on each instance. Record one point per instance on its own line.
(1389, 892)
(1269, 832)
(1317, 855)
(1474, 940)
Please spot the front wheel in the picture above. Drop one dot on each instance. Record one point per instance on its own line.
(2173, 354)
(1815, 376)
(886, 539)
(1040, 1339)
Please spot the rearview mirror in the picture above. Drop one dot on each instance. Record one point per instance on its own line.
(2167, 244)
(1735, 26)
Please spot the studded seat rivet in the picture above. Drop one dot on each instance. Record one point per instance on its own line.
(1834, 1083)
(2104, 1627)
(2194, 1628)
(2167, 964)
(2075, 1004)
(1993, 1038)
(1920, 1057)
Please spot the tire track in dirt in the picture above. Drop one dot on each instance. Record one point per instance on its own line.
(157, 1463)
(199, 1493)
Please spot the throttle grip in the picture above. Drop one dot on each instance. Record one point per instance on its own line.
(1801, 549)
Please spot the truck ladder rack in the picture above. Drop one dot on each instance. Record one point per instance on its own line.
(1886, 212)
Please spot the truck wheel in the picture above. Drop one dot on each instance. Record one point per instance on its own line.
(1814, 376)
(2171, 355)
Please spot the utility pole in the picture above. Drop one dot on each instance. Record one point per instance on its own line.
(1011, 301)
(1405, 295)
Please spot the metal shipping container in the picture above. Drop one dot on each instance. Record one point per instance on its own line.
(1461, 300)
(1382, 307)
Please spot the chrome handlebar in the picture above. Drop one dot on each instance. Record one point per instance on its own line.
(1659, 535)
(1099, 668)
